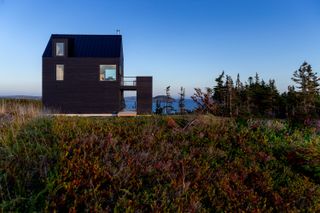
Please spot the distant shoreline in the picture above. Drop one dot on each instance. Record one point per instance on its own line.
(29, 97)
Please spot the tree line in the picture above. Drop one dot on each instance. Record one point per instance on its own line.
(258, 98)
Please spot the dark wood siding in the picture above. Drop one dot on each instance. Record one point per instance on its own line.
(144, 95)
(81, 91)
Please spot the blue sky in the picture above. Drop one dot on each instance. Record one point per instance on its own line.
(179, 42)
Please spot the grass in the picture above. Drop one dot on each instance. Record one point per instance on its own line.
(176, 164)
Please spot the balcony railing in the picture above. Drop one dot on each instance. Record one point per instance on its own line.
(128, 81)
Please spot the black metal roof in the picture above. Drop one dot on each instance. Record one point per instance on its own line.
(89, 45)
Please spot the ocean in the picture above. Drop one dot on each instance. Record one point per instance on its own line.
(131, 104)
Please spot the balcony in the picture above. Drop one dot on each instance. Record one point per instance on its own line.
(129, 83)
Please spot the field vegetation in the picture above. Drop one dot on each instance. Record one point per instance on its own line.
(159, 163)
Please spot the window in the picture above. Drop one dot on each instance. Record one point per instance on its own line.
(59, 72)
(59, 49)
(108, 72)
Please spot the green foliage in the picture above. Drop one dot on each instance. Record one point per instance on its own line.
(182, 107)
(258, 99)
(26, 161)
(308, 84)
(157, 163)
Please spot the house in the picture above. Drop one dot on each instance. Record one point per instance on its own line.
(84, 74)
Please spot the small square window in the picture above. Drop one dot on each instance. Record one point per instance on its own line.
(59, 49)
(59, 72)
(108, 72)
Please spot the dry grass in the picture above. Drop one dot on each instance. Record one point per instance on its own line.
(14, 114)
(19, 110)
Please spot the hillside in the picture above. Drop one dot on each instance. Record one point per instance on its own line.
(157, 163)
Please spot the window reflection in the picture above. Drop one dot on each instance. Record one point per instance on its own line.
(108, 72)
(59, 49)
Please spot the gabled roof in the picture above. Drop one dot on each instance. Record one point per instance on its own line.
(109, 46)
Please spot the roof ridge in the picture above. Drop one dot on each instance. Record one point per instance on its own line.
(85, 35)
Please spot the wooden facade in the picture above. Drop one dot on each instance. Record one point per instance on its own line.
(144, 94)
(81, 91)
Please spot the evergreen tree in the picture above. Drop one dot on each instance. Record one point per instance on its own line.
(182, 108)
(229, 95)
(238, 95)
(292, 102)
(261, 98)
(219, 89)
(168, 106)
(239, 85)
(274, 96)
(257, 79)
(308, 85)
(250, 81)
(159, 109)
(219, 94)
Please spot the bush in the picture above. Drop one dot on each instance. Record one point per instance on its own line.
(178, 163)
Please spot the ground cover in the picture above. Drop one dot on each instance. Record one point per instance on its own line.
(157, 163)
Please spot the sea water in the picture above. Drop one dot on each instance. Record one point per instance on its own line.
(190, 105)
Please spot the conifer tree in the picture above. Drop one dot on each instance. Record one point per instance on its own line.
(219, 89)
(238, 95)
(291, 102)
(229, 94)
(182, 108)
(168, 107)
(308, 84)
(257, 79)
(274, 97)
(238, 83)
(219, 94)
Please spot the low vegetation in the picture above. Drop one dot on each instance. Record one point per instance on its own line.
(158, 163)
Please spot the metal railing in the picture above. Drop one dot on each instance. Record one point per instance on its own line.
(129, 81)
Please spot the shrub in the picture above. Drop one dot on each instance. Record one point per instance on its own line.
(178, 163)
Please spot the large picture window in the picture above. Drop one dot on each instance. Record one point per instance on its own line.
(59, 72)
(108, 72)
(59, 49)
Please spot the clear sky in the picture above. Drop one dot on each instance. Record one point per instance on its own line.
(179, 42)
